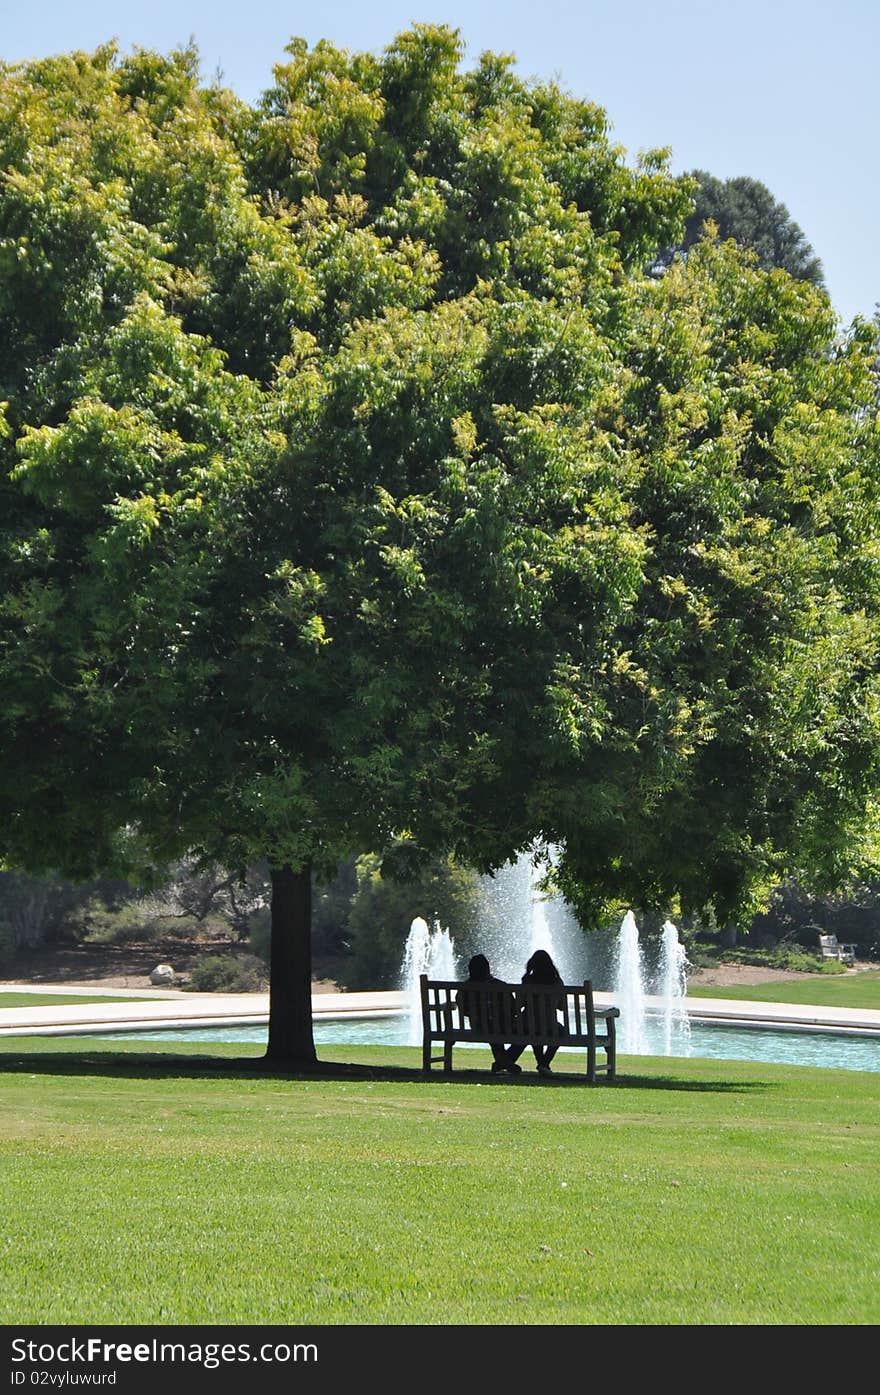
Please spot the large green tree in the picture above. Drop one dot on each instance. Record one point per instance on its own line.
(359, 489)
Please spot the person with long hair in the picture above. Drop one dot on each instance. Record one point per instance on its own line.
(540, 970)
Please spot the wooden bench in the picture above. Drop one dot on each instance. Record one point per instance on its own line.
(831, 949)
(496, 1017)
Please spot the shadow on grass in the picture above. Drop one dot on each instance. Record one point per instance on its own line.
(164, 1066)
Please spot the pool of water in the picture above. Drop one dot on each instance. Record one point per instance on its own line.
(833, 1051)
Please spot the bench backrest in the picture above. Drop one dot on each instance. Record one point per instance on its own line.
(509, 1012)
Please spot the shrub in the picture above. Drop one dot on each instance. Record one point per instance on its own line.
(228, 973)
(792, 957)
(701, 956)
(121, 925)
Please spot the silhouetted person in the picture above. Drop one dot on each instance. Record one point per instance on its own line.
(479, 1009)
(540, 969)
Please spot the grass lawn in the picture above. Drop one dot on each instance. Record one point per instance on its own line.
(16, 1000)
(824, 990)
(150, 1184)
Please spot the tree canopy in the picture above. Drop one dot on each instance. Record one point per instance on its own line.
(358, 487)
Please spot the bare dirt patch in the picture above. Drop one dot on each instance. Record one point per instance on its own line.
(729, 975)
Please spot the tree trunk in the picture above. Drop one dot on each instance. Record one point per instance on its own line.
(290, 969)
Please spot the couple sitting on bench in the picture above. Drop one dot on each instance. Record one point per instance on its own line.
(539, 969)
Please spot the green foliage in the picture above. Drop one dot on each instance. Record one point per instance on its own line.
(126, 924)
(746, 669)
(186, 901)
(226, 973)
(136, 922)
(385, 906)
(791, 957)
(207, 899)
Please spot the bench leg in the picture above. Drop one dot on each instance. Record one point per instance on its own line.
(426, 1056)
(447, 1057)
(591, 1061)
(611, 1050)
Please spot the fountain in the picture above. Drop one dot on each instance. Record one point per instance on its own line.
(441, 954)
(517, 917)
(672, 984)
(541, 936)
(629, 989)
(640, 1014)
(430, 952)
(415, 962)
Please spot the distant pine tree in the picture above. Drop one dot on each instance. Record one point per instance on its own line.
(745, 210)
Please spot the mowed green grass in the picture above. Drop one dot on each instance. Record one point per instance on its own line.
(141, 1186)
(824, 990)
(16, 1000)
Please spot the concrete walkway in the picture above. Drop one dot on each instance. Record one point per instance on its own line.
(154, 1009)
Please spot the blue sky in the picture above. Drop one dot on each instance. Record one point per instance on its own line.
(787, 91)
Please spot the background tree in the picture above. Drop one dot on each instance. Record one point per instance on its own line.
(745, 209)
(359, 491)
(383, 910)
(33, 911)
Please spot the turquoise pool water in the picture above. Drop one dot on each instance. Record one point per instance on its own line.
(830, 1050)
